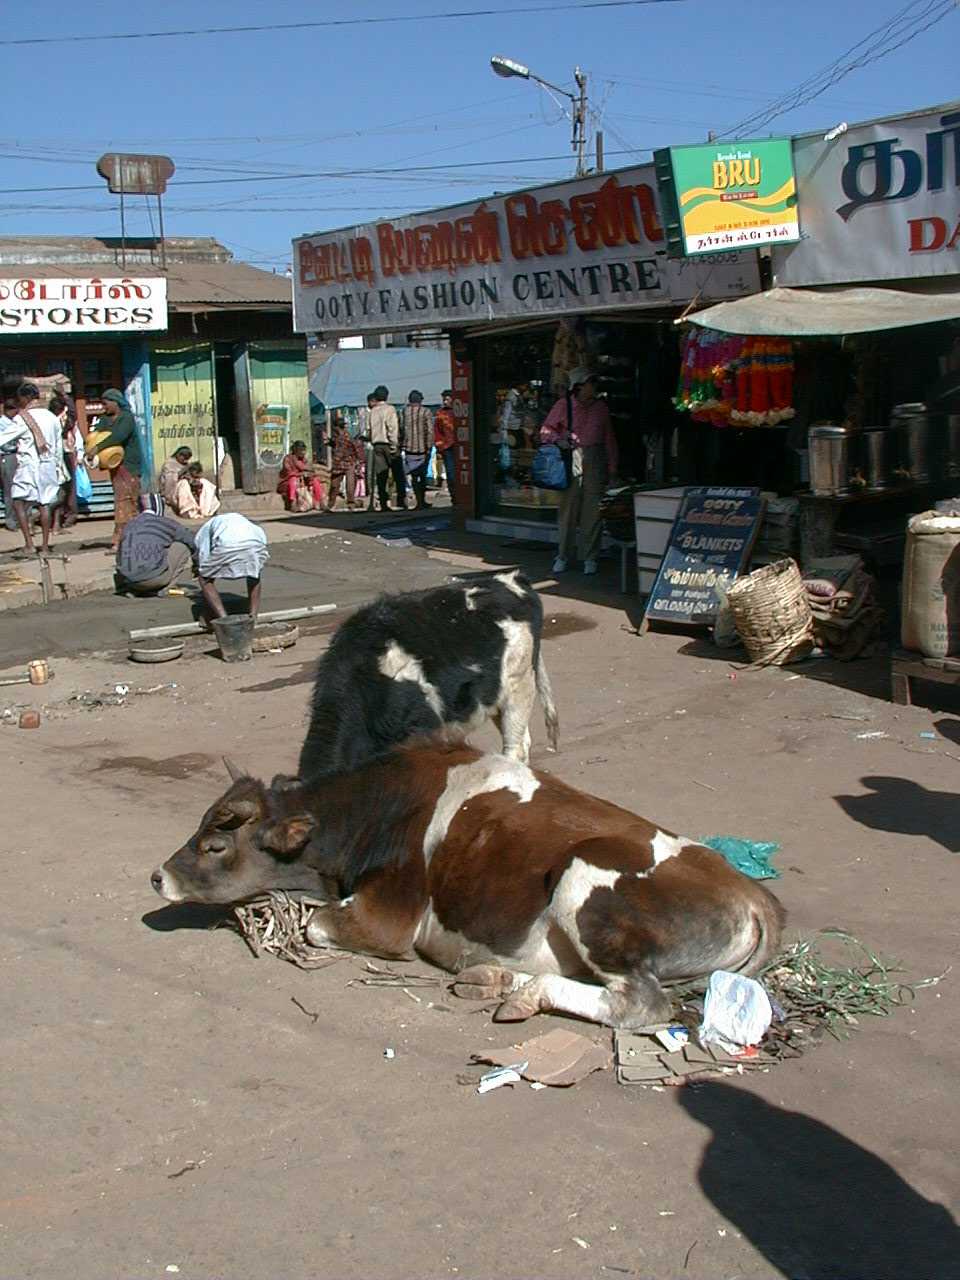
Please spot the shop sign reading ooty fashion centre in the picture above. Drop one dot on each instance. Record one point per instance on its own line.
(878, 201)
(591, 244)
(31, 305)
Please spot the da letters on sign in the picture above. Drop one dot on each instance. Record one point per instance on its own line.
(709, 546)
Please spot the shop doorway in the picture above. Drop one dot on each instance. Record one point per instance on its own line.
(227, 425)
(90, 370)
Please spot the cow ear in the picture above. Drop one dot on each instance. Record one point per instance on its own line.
(288, 836)
(237, 813)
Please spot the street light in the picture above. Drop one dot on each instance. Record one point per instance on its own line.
(506, 67)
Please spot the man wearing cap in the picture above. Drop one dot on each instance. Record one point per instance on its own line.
(580, 422)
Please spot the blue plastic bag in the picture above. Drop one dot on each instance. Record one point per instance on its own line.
(549, 470)
(84, 487)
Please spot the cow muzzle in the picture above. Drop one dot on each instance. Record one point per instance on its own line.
(165, 885)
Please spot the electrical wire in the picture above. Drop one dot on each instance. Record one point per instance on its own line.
(252, 29)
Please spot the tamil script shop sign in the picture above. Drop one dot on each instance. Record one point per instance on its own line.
(735, 195)
(96, 306)
(878, 201)
(586, 245)
(710, 543)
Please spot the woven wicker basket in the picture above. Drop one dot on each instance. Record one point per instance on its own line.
(772, 614)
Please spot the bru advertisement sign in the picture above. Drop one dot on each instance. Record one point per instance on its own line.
(735, 195)
(593, 243)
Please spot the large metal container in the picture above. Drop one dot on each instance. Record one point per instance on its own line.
(831, 451)
(951, 429)
(879, 457)
(920, 442)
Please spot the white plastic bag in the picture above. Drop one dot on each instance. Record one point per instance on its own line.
(736, 1011)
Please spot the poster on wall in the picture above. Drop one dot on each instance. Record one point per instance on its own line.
(732, 195)
(594, 243)
(272, 425)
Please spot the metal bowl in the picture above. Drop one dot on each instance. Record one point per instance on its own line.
(156, 651)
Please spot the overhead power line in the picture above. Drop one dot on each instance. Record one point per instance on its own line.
(510, 10)
(904, 26)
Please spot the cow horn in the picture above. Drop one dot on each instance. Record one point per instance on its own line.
(235, 772)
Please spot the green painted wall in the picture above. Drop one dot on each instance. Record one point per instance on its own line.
(278, 376)
(182, 402)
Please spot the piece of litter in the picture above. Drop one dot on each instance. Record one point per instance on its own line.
(537, 1084)
(582, 1243)
(927, 734)
(389, 1053)
(673, 1037)
(667, 1213)
(736, 1011)
(121, 689)
(500, 1076)
(173, 1268)
(877, 733)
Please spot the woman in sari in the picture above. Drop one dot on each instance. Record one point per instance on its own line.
(125, 477)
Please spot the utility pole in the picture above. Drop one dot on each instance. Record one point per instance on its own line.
(580, 120)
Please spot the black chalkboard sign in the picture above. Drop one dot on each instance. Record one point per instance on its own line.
(709, 546)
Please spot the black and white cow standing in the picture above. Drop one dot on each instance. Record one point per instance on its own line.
(431, 664)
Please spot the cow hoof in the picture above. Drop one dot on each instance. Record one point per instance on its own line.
(517, 1008)
(483, 982)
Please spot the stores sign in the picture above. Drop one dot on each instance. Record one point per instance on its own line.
(30, 306)
(735, 195)
(588, 245)
(879, 201)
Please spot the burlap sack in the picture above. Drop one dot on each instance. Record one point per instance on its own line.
(930, 610)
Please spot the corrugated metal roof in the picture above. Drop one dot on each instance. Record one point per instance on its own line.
(201, 274)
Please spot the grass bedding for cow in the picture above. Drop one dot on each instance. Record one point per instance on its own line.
(823, 984)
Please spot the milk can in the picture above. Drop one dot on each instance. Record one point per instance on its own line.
(919, 440)
(879, 457)
(830, 450)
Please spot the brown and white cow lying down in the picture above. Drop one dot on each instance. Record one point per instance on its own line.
(521, 885)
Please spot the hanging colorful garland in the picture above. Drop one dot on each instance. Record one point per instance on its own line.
(728, 380)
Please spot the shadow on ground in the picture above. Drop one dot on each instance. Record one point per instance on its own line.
(811, 1201)
(896, 804)
(185, 915)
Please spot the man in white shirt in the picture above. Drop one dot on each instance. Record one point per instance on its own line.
(36, 480)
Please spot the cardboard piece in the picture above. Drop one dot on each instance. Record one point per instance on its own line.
(559, 1058)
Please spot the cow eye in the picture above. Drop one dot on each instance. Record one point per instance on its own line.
(215, 845)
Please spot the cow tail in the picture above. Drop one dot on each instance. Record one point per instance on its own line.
(550, 716)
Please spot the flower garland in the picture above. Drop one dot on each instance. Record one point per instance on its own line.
(729, 380)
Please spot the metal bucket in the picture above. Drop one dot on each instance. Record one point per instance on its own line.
(235, 637)
(919, 440)
(879, 457)
(832, 464)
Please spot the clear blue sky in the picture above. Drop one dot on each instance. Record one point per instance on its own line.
(373, 109)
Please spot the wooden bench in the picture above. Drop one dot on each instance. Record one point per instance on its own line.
(100, 503)
(906, 665)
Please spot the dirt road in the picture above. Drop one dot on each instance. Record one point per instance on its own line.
(175, 1106)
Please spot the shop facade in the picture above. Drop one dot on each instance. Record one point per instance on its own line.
(202, 346)
(528, 286)
(869, 301)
